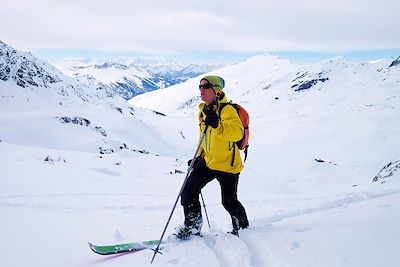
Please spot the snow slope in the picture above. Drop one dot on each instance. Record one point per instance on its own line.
(307, 185)
(348, 121)
(52, 114)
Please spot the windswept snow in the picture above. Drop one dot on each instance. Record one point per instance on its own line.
(307, 185)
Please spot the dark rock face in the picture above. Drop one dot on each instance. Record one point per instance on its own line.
(387, 171)
(305, 81)
(75, 120)
(395, 62)
(83, 122)
(23, 69)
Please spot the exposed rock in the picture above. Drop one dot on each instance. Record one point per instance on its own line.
(387, 171)
(124, 146)
(159, 113)
(141, 151)
(82, 122)
(24, 69)
(307, 80)
(395, 62)
(75, 120)
(176, 171)
(48, 159)
(106, 150)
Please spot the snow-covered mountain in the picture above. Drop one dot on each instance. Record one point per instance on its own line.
(52, 109)
(270, 78)
(129, 77)
(321, 184)
(345, 109)
(328, 130)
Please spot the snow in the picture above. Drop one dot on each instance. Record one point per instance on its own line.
(307, 184)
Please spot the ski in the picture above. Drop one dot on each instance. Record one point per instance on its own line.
(139, 246)
(123, 248)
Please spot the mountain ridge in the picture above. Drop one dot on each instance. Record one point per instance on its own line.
(129, 77)
(268, 73)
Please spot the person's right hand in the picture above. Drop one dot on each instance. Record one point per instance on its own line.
(196, 160)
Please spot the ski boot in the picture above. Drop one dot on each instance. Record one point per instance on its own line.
(185, 232)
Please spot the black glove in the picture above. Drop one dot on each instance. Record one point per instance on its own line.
(196, 160)
(212, 119)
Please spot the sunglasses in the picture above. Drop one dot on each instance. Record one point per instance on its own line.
(205, 86)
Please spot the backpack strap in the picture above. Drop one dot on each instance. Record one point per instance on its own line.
(221, 106)
(245, 153)
(233, 156)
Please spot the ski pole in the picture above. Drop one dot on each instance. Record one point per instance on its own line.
(205, 211)
(190, 169)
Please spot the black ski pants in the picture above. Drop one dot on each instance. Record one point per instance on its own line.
(200, 176)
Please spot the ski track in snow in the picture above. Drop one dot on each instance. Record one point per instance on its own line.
(326, 205)
(229, 250)
(40, 202)
(332, 202)
(80, 195)
(246, 251)
(262, 256)
(226, 249)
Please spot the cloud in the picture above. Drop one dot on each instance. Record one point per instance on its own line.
(161, 26)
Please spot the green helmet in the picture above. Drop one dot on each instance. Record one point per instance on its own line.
(217, 82)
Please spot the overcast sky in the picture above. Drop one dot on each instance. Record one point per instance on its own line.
(200, 27)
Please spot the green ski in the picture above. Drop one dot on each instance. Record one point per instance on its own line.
(124, 248)
(137, 246)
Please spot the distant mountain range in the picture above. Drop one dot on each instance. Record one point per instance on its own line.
(272, 89)
(129, 77)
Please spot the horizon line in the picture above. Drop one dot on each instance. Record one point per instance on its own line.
(218, 56)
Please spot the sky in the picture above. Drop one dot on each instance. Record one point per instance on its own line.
(202, 29)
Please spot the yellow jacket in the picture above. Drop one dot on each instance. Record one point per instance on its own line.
(218, 147)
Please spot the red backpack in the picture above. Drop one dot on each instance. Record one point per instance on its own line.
(243, 143)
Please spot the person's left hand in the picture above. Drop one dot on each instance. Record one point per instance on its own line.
(212, 119)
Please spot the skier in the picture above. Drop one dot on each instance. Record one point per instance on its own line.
(218, 158)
